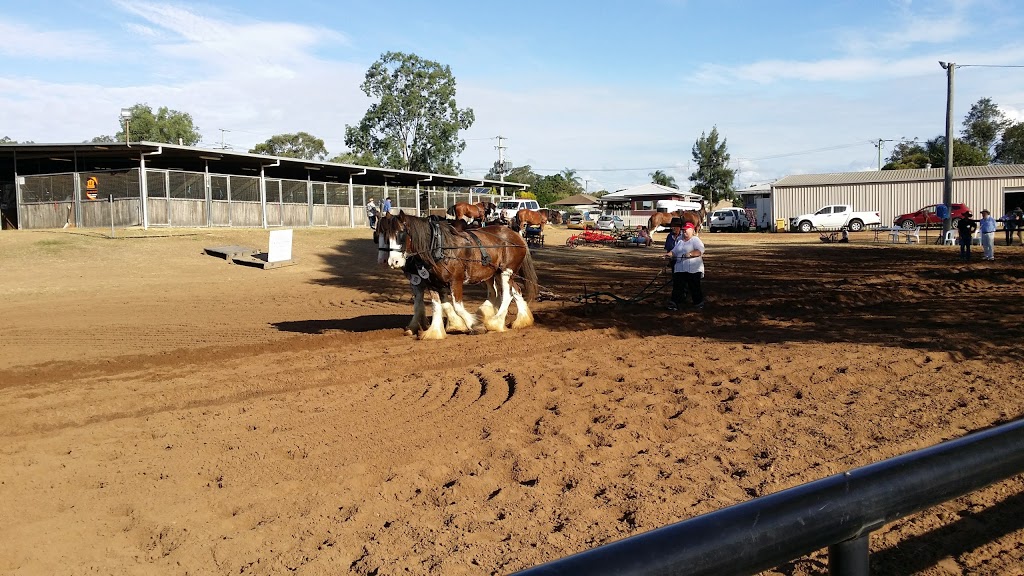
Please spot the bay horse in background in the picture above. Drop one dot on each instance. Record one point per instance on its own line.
(527, 217)
(491, 255)
(554, 216)
(481, 211)
(430, 287)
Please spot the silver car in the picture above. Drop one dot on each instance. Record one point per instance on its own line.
(609, 223)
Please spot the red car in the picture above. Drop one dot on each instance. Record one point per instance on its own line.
(926, 217)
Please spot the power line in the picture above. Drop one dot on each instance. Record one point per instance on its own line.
(990, 65)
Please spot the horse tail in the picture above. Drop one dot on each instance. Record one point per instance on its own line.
(451, 210)
(650, 223)
(529, 276)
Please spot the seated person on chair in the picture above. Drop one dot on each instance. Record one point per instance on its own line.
(642, 237)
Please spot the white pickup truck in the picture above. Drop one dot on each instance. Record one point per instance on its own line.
(834, 217)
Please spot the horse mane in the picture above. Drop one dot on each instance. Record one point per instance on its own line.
(420, 236)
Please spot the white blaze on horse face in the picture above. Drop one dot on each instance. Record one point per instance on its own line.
(396, 254)
(382, 249)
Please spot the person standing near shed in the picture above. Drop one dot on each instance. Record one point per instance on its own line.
(987, 227)
(1018, 223)
(371, 214)
(965, 232)
(1009, 223)
(386, 206)
(688, 270)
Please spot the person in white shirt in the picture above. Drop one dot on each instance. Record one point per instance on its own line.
(371, 214)
(688, 269)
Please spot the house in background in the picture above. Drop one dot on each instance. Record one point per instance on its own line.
(757, 201)
(636, 204)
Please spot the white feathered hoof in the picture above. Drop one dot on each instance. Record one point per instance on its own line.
(430, 334)
(409, 332)
(495, 324)
(486, 311)
(524, 319)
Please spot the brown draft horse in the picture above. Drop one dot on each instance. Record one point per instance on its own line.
(481, 211)
(431, 287)
(491, 255)
(527, 217)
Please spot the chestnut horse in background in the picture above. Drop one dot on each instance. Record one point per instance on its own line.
(662, 219)
(554, 216)
(696, 217)
(527, 217)
(481, 211)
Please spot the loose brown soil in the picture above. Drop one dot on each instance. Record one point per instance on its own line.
(164, 412)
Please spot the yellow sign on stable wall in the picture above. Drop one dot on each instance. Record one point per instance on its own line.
(91, 184)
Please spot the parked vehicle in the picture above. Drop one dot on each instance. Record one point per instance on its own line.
(734, 219)
(580, 221)
(507, 209)
(833, 217)
(610, 223)
(927, 217)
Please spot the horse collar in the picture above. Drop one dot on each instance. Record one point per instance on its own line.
(435, 242)
(485, 258)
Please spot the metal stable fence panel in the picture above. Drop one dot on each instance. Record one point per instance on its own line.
(198, 199)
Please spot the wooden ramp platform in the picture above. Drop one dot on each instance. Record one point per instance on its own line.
(230, 252)
(259, 260)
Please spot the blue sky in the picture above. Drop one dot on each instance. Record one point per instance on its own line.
(614, 90)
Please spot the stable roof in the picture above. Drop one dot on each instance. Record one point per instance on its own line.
(29, 159)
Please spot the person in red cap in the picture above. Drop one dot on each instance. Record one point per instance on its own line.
(688, 268)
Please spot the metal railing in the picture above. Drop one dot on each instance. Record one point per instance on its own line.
(838, 512)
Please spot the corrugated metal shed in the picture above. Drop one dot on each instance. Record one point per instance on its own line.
(998, 187)
(919, 175)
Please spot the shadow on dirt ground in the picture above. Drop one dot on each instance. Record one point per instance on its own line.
(918, 297)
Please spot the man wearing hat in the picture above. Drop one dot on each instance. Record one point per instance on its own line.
(965, 231)
(676, 226)
(688, 267)
(987, 227)
(371, 214)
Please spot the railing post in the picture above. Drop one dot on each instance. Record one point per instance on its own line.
(850, 557)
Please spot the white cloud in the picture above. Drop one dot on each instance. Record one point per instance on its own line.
(19, 40)
(272, 50)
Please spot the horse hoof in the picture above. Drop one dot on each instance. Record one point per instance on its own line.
(408, 332)
(432, 335)
(495, 325)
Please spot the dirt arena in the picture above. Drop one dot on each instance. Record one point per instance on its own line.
(164, 412)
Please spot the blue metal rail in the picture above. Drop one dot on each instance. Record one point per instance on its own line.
(838, 512)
